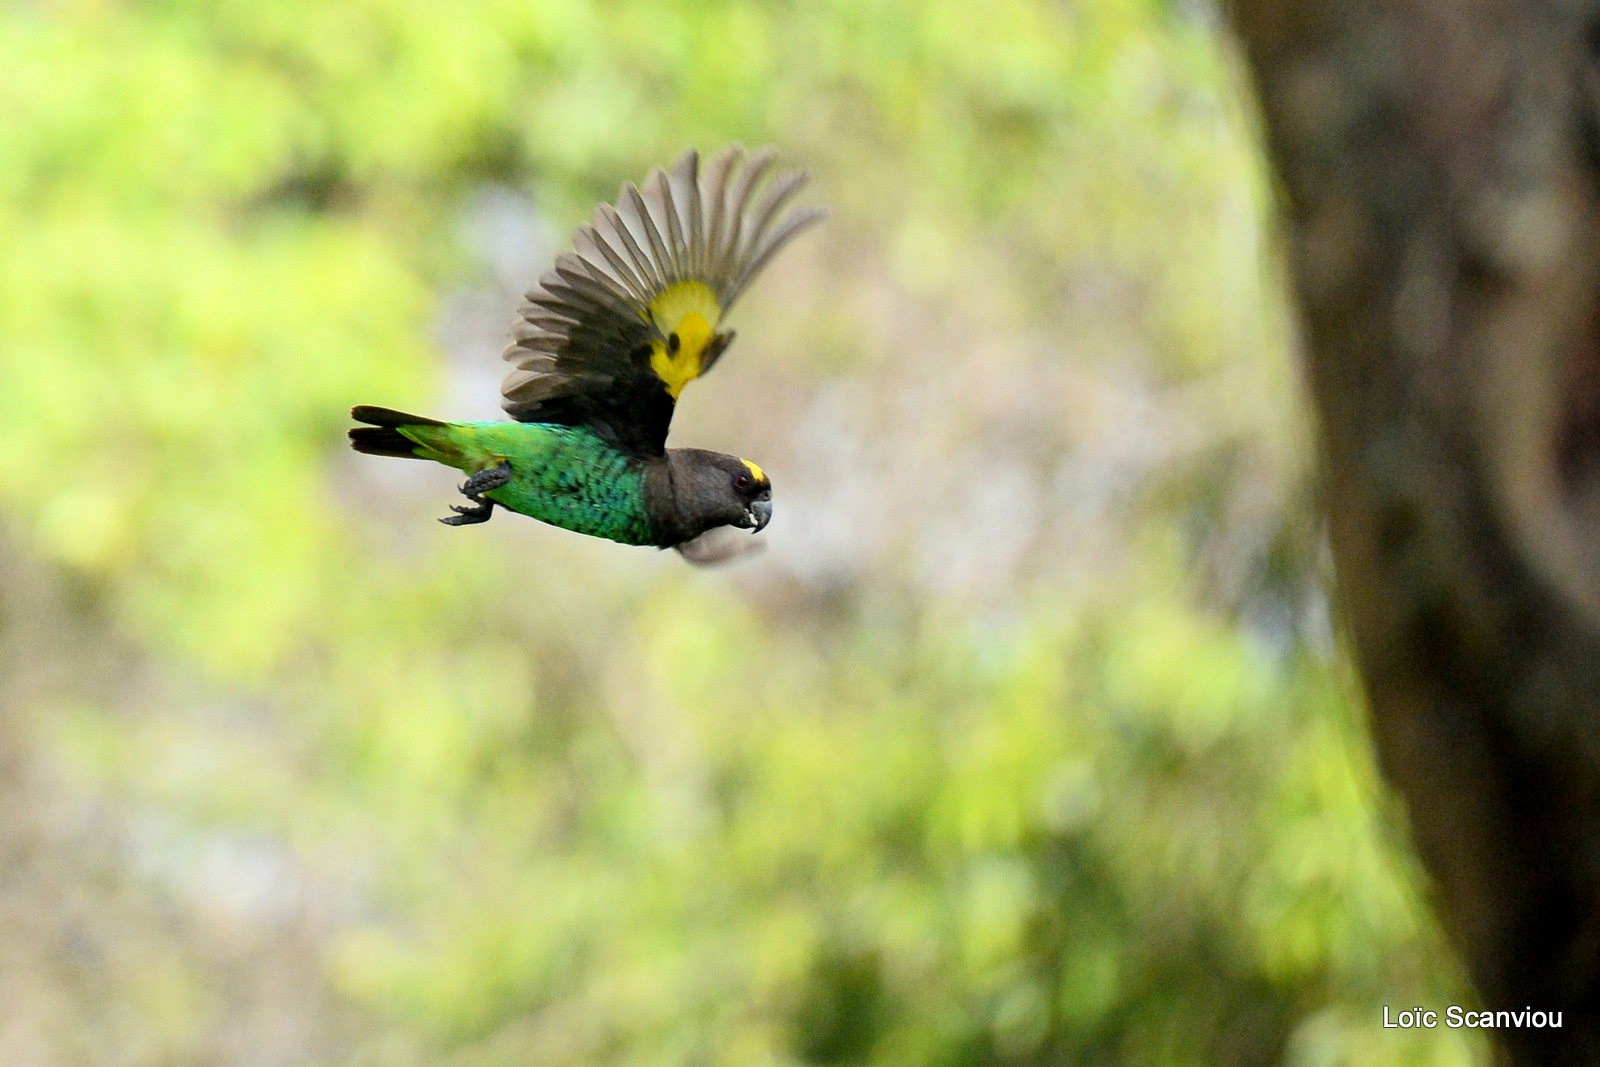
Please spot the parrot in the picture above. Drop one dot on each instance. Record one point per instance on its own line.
(602, 347)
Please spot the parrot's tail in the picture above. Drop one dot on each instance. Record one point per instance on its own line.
(383, 436)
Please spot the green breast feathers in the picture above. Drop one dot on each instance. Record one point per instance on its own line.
(602, 348)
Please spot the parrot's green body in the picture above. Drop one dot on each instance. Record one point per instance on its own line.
(572, 477)
(564, 475)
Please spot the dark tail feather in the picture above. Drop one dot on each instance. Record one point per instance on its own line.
(389, 417)
(381, 438)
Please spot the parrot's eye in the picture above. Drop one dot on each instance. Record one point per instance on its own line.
(672, 341)
(741, 481)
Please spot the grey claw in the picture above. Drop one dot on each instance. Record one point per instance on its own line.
(473, 489)
(469, 516)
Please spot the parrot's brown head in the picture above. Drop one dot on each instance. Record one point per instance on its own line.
(690, 491)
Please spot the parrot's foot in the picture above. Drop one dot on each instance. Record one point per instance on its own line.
(483, 481)
(469, 516)
(473, 489)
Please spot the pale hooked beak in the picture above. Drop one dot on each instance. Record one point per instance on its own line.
(758, 513)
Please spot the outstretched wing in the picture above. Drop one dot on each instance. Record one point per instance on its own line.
(629, 316)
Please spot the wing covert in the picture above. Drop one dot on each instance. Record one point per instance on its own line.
(632, 313)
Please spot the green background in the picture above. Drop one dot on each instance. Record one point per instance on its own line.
(1028, 740)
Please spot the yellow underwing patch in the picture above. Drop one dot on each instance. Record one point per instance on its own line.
(689, 310)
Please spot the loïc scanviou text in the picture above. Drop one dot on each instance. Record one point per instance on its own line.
(1457, 1017)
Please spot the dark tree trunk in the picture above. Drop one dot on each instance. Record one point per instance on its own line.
(1438, 159)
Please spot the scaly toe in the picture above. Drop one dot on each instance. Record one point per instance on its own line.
(468, 516)
(483, 481)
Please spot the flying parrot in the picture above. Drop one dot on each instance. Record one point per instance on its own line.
(603, 346)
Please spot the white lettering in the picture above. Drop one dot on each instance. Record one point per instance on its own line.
(1456, 1017)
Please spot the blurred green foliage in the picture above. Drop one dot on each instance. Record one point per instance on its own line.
(901, 799)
